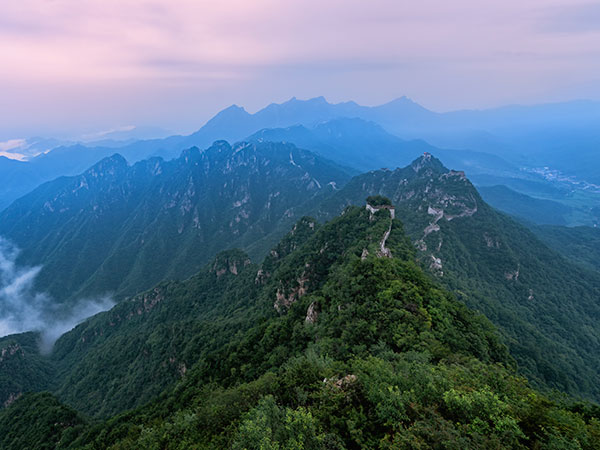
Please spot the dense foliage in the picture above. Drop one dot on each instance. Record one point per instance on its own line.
(22, 368)
(535, 210)
(545, 305)
(328, 345)
(39, 421)
(580, 244)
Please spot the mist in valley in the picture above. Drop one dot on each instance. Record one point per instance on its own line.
(23, 308)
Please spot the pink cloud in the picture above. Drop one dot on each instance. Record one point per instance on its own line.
(104, 62)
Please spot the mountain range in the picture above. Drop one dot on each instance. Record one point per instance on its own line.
(165, 220)
(519, 147)
(537, 298)
(161, 219)
(323, 281)
(337, 340)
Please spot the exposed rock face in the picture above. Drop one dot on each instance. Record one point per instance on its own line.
(230, 262)
(261, 276)
(283, 301)
(9, 351)
(436, 265)
(150, 300)
(12, 398)
(491, 242)
(311, 314)
(341, 383)
(205, 201)
(513, 275)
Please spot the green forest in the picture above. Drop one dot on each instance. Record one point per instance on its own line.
(325, 345)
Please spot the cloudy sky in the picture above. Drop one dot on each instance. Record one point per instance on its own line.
(72, 67)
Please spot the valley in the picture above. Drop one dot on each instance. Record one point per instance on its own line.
(299, 225)
(173, 338)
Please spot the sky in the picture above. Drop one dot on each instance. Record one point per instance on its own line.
(81, 67)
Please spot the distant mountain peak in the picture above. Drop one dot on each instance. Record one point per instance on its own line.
(110, 163)
(319, 99)
(428, 162)
(109, 168)
(190, 154)
(221, 145)
(234, 108)
(402, 99)
(406, 107)
(232, 112)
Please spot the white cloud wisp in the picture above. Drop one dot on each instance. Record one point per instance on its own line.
(23, 309)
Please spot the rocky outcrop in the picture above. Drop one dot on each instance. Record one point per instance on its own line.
(10, 350)
(312, 313)
(284, 300)
(341, 383)
(490, 242)
(436, 265)
(512, 275)
(12, 397)
(230, 262)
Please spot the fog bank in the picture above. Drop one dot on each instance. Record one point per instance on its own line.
(23, 309)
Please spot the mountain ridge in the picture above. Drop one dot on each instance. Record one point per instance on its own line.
(502, 132)
(504, 270)
(368, 352)
(195, 197)
(497, 265)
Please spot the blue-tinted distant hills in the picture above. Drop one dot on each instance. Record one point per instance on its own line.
(493, 145)
(539, 211)
(130, 226)
(365, 145)
(513, 132)
(235, 123)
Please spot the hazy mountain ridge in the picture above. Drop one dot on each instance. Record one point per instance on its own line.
(161, 218)
(365, 145)
(535, 210)
(580, 244)
(533, 136)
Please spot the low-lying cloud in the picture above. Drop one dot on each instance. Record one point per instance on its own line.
(23, 309)
(9, 149)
